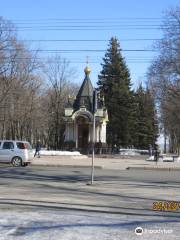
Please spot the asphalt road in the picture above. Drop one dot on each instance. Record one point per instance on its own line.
(129, 194)
(112, 190)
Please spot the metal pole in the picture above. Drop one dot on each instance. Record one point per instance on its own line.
(93, 145)
(93, 133)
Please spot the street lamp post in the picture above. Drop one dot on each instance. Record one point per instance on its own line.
(93, 133)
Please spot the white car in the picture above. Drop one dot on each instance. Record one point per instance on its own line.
(19, 153)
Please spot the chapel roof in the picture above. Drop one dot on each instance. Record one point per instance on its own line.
(84, 97)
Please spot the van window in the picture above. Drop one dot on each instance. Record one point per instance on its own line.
(22, 145)
(8, 145)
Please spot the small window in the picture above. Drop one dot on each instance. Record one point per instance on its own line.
(8, 145)
(22, 145)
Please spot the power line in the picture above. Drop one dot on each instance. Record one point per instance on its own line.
(71, 61)
(53, 24)
(85, 27)
(88, 19)
(74, 60)
(82, 28)
(82, 50)
(89, 40)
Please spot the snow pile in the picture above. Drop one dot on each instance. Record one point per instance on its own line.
(129, 152)
(151, 158)
(59, 153)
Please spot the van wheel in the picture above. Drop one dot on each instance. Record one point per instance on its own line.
(16, 162)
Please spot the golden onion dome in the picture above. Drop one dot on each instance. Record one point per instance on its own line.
(87, 70)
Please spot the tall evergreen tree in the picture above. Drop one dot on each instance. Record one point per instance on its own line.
(114, 84)
(146, 130)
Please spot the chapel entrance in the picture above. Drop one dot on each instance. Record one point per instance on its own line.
(83, 133)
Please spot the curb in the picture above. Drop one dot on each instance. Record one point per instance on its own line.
(153, 168)
(59, 165)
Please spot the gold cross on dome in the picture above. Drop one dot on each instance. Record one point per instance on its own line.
(87, 60)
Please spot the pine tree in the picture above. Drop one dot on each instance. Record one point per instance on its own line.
(114, 84)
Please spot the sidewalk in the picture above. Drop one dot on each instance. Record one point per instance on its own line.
(108, 162)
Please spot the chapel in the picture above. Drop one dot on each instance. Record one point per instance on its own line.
(79, 113)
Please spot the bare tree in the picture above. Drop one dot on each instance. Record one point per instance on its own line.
(18, 84)
(164, 78)
(60, 86)
(31, 108)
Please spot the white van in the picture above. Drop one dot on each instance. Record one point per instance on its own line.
(19, 153)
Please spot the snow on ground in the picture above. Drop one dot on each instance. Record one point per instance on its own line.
(58, 153)
(47, 225)
(79, 225)
(164, 158)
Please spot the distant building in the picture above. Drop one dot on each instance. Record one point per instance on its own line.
(79, 118)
